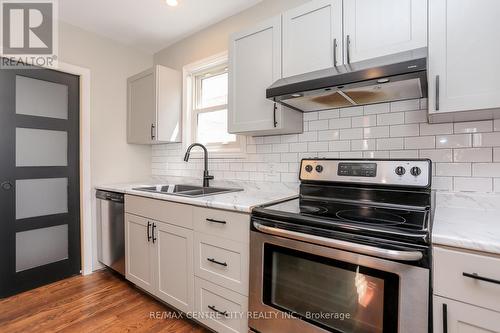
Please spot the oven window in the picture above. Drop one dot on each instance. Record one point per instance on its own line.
(335, 295)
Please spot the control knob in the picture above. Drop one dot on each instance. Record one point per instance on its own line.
(309, 168)
(400, 171)
(415, 171)
(319, 168)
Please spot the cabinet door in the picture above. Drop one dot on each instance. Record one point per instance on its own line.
(464, 55)
(464, 318)
(141, 118)
(174, 264)
(309, 36)
(377, 28)
(255, 63)
(139, 266)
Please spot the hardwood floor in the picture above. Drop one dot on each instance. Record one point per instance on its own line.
(101, 302)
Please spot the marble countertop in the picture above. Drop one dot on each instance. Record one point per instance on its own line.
(253, 194)
(467, 220)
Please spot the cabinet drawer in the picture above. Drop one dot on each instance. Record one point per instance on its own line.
(164, 211)
(449, 279)
(221, 223)
(222, 261)
(222, 310)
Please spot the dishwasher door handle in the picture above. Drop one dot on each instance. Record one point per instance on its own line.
(342, 245)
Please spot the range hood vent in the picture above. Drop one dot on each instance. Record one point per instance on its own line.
(390, 78)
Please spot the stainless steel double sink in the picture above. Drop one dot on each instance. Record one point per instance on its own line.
(186, 190)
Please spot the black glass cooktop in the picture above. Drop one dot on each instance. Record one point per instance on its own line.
(392, 214)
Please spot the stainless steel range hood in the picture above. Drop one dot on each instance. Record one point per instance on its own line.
(390, 78)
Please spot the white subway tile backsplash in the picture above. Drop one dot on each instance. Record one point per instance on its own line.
(339, 123)
(472, 155)
(420, 142)
(469, 184)
(390, 118)
(473, 127)
(328, 114)
(436, 155)
(413, 117)
(318, 125)
(391, 130)
(486, 169)
(453, 169)
(486, 139)
(390, 144)
(328, 135)
(351, 112)
(404, 130)
(364, 121)
(433, 129)
(339, 146)
(376, 132)
(363, 144)
(351, 133)
(454, 141)
(413, 104)
(377, 108)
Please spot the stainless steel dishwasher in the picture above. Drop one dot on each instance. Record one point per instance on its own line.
(111, 230)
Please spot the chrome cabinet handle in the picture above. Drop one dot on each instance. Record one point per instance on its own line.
(213, 308)
(348, 48)
(335, 52)
(481, 278)
(217, 262)
(215, 221)
(153, 135)
(275, 123)
(340, 244)
(445, 318)
(437, 92)
(153, 232)
(149, 235)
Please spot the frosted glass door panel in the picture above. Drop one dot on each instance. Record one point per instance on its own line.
(40, 247)
(36, 147)
(40, 197)
(41, 98)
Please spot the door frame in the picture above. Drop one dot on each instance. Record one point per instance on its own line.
(86, 202)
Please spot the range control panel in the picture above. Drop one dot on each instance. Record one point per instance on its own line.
(416, 173)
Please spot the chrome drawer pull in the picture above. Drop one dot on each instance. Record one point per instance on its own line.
(217, 262)
(216, 221)
(213, 308)
(479, 277)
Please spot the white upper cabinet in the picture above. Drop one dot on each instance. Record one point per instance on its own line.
(464, 57)
(154, 106)
(254, 64)
(312, 37)
(377, 28)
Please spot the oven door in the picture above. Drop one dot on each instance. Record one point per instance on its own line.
(296, 286)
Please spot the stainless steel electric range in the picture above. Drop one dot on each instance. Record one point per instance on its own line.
(351, 254)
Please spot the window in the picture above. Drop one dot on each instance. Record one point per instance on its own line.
(208, 92)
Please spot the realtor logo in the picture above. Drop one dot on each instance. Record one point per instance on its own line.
(29, 33)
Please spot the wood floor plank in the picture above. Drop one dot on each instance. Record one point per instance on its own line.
(100, 302)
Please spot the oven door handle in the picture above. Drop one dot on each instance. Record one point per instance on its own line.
(343, 245)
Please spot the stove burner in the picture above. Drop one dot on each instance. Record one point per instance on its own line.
(312, 209)
(370, 215)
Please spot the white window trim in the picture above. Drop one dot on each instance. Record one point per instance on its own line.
(187, 109)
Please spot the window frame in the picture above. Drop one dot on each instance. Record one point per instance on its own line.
(193, 74)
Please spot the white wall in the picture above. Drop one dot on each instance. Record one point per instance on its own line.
(214, 39)
(112, 159)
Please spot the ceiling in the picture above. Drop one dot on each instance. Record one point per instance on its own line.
(149, 25)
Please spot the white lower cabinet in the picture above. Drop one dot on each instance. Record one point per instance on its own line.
(466, 291)
(174, 255)
(204, 270)
(454, 317)
(220, 309)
